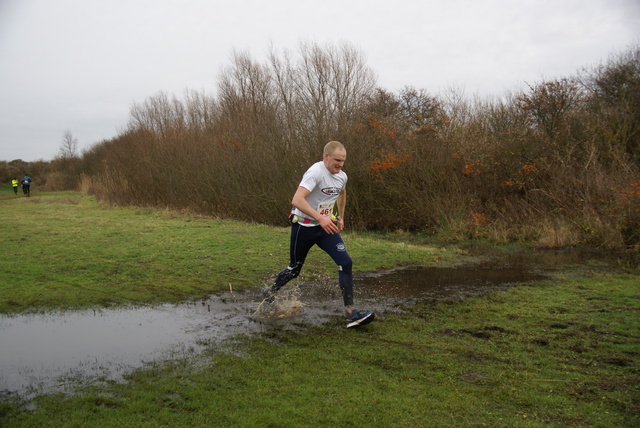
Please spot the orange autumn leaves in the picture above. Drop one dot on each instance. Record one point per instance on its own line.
(384, 162)
(387, 159)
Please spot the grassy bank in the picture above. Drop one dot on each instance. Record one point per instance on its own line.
(63, 250)
(555, 353)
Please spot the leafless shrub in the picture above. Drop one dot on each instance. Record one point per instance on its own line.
(557, 164)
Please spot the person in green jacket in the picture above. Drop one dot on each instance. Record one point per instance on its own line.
(14, 183)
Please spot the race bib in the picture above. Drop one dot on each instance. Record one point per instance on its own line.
(325, 210)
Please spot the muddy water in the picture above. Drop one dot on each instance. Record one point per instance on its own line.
(52, 352)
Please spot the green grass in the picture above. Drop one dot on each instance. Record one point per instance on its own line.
(63, 250)
(562, 352)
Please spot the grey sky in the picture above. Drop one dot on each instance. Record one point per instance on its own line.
(79, 65)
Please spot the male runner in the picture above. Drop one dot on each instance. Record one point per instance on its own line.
(312, 224)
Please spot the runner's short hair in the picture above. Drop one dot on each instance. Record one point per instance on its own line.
(332, 146)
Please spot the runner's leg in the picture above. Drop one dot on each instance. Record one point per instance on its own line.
(302, 239)
(334, 246)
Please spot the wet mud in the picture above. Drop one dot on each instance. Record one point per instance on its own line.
(55, 352)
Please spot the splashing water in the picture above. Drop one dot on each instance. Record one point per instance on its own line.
(286, 304)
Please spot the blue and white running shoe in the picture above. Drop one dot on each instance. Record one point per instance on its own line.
(358, 319)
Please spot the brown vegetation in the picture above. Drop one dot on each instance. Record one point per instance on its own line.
(557, 164)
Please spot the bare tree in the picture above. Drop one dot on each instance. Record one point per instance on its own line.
(69, 146)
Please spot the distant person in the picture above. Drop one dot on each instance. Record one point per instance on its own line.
(15, 183)
(313, 223)
(26, 185)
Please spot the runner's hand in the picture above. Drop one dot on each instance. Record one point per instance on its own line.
(328, 225)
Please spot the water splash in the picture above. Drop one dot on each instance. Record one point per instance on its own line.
(287, 304)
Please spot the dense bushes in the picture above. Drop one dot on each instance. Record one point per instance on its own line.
(557, 164)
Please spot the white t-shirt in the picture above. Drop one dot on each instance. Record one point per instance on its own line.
(325, 189)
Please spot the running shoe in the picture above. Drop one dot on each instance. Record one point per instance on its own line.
(269, 295)
(358, 319)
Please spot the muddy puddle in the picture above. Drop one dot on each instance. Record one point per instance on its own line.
(55, 352)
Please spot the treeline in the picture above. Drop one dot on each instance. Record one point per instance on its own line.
(557, 164)
(61, 173)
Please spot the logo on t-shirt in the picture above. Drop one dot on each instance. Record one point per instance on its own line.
(331, 190)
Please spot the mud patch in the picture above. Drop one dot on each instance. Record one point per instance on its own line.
(437, 283)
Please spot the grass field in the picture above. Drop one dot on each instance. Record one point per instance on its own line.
(63, 250)
(561, 352)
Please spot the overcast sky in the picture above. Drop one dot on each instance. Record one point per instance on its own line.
(79, 65)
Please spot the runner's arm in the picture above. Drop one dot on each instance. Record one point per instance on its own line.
(342, 203)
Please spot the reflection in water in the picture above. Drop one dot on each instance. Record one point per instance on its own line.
(48, 350)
